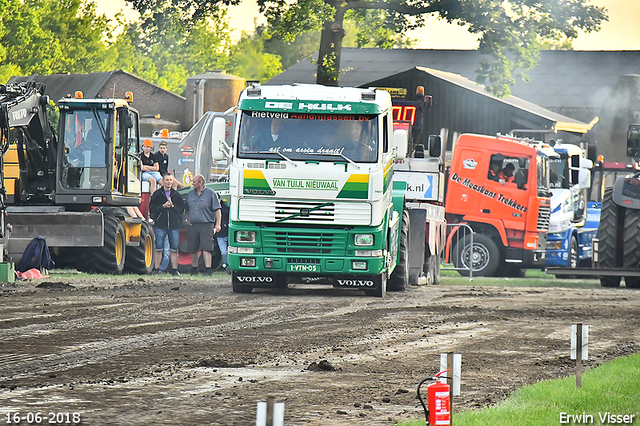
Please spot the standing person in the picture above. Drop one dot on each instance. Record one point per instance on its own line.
(223, 236)
(166, 208)
(203, 218)
(163, 167)
(150, 166)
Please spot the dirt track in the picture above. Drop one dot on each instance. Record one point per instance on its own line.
(157, 350)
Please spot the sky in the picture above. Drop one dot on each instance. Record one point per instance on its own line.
(621, 32)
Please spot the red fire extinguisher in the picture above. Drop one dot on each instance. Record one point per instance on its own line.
(437, 411)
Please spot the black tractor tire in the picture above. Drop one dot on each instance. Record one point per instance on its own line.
(399, 278)
(632, 246)
(238, 287)
(484, 257)
(110, 258)
(607, 236)
(381, 286)
(140, 259)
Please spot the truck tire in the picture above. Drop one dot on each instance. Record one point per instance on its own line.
(573, 260)
(483, 257)
(400, 277)
(381, 286)
(607, 235)
(238, 287)
(110, 258)
(140, 259)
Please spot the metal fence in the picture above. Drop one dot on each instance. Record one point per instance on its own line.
(453, 254)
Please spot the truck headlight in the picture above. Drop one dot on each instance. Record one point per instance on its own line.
(363, 239)
(245, 236)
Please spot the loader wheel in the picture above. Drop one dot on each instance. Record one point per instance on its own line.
(483, 257)
(607, 235)
(140, 259)
(400, 277)
(110, 258)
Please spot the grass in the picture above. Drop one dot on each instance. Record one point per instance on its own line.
(532, 278)
(612, 388)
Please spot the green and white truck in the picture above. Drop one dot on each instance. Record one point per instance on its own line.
(313, 199)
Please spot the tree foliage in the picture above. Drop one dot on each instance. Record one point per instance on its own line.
(51, 36)
(510, 32)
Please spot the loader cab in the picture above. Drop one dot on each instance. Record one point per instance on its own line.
(98, 159)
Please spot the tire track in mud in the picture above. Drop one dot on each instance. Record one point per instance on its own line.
(17, 366)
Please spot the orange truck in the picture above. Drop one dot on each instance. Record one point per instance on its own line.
(499, 187)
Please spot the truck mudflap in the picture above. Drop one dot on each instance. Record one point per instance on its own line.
(529, 258)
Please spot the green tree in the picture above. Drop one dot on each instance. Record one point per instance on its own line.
(248, 59)
(510, 32)
(51, 36)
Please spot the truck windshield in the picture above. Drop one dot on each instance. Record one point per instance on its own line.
(84, 164)
(559, 171)
(306, 136)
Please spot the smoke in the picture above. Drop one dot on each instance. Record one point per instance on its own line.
(620, 109)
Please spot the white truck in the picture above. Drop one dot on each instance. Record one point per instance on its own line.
(574, 220)
(312, 189)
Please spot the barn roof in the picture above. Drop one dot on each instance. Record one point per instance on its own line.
(562, 78)
(60, 85)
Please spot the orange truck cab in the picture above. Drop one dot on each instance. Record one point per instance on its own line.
(499, 187)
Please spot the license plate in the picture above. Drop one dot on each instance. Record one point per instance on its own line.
(305, 267)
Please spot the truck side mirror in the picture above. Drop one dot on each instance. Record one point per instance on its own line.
(584, 178)
(585, 163)
(400, 143)
(435, 146)
(218, 144)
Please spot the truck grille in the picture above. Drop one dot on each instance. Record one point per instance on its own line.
(272, 210)
(544, 213)
(303, 242)
(303, 211)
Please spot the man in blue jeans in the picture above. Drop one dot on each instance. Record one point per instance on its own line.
(166, 208)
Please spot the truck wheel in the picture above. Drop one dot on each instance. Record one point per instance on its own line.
(632, 282)
(400, 276)
(610, 281)
(381, 286)
(238, 287)
(573, 253)
(140, 259)
(607, 235)
(483, 257)
(110, 258)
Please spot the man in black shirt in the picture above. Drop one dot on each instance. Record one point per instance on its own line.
(162, 158)
(149, 166)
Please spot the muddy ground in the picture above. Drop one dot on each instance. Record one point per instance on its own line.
(187, 351)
